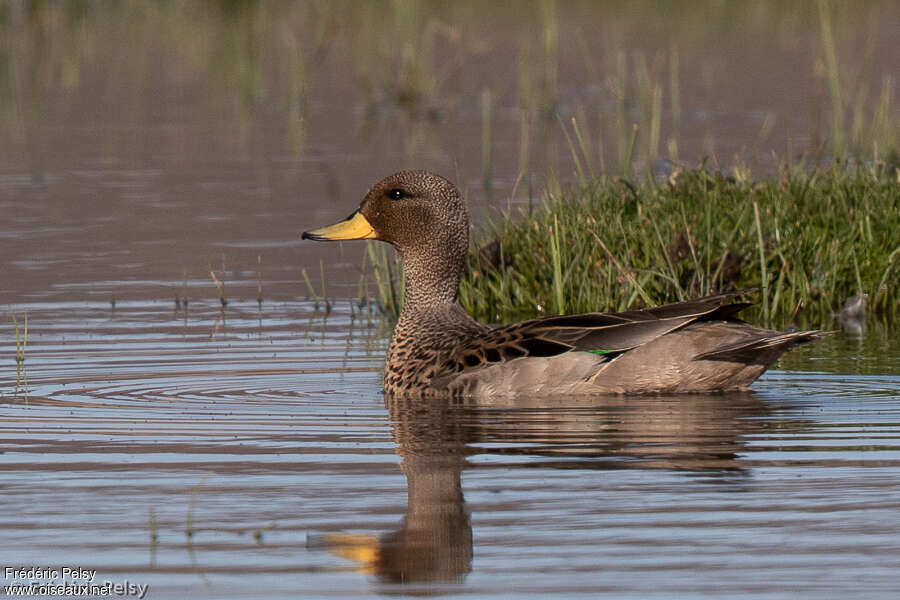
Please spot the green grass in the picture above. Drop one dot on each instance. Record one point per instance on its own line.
(312, 290)
(388, 281)
(807, 239)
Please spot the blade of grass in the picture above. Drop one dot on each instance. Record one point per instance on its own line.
(764, 275)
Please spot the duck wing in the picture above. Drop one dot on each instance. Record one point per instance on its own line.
(604, 334)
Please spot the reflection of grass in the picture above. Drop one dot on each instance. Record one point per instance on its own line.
(21, 344)
(21, 338)
(190, 530)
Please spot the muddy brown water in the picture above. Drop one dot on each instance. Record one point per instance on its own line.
(248, 451)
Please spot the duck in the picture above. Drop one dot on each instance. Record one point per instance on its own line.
(437, 350)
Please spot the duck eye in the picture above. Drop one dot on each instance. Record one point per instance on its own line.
(396, 194)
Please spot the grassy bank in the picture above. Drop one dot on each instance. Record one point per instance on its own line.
(808, 240)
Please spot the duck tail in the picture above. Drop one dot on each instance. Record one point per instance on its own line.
(761, 350)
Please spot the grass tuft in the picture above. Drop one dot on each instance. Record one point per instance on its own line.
(814, 240)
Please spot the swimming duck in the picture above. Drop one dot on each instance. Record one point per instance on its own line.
(438, 350)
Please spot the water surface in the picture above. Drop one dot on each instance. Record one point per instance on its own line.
(216, 455)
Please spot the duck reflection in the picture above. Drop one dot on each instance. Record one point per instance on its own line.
(697, 434)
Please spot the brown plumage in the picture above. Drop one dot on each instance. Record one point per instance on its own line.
(439, 350)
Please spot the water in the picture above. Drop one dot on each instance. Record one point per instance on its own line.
(217, 457)
(248, 451)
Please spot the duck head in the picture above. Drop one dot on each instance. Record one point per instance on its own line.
(412, 210)
(423, 216)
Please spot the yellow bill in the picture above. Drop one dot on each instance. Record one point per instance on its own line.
(355, 227)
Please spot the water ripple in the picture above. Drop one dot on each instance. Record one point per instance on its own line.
(197, 452)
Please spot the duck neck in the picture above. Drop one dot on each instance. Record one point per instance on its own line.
(431, 280)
